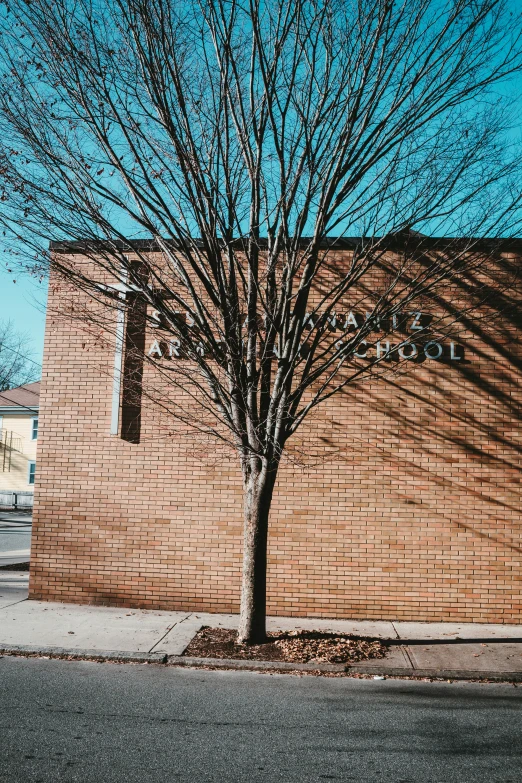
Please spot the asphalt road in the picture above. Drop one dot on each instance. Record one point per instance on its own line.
(102, 723)
(15, 537)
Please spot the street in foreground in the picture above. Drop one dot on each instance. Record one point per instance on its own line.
(90, 722)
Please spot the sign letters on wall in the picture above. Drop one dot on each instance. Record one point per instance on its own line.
(413, 347)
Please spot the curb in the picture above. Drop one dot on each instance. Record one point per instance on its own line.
(236, 663)
(80, 654)
(379, 671)
(438, 674)
(233, 664)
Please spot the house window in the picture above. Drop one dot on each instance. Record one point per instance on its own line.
(32, 472)
(34, 434)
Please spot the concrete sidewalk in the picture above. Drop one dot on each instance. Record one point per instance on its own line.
(415, 649)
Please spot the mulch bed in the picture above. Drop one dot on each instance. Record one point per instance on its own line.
(15, 567)
(291, 647)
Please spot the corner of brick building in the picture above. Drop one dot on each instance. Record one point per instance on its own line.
(409, 509)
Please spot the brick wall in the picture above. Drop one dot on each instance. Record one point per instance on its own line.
(405, 505)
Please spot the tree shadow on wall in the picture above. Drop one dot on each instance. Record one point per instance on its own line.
(443, 437)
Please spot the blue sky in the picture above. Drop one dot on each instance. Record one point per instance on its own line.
(23, 302)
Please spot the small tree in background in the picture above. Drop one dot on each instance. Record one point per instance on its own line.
(240, 138)
(16, 365)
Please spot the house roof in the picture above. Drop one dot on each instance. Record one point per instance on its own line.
(26, 397)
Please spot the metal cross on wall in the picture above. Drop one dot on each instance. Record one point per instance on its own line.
(128, 357)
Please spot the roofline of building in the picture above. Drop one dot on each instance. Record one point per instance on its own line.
(490, 244)
(20, 409)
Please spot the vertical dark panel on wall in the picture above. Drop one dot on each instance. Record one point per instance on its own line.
(132, 381)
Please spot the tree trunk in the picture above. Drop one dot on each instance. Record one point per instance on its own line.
(259, 483)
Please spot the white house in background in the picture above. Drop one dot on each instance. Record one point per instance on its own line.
(18, 440)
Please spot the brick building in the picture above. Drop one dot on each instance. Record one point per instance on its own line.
(408, 506)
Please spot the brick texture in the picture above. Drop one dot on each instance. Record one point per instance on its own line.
(405, 505)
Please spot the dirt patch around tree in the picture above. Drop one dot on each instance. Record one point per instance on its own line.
(290, 647)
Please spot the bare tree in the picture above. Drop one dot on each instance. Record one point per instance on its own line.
(240, 138)
(16, 363)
